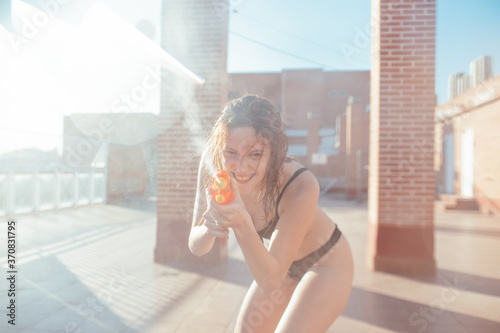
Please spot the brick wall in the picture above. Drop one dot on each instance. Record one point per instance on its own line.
(195, 33)
(311, 99)
(485, 124)
(268, 85)
(127, 172)
(401, 178)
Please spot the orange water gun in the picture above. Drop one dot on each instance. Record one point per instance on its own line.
(221, 188)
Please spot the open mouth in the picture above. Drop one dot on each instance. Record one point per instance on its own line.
(241, 179)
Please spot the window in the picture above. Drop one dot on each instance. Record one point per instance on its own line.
(327, 143)
(297, 150)
(296, 133)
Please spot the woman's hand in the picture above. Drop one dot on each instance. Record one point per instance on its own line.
(218, 218)
(214, 229)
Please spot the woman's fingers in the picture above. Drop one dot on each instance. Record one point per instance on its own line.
(214, 229)
(210, 212)
(212, 215)
(234, 188)
(223, 215)
(219, 233)
(214, 211)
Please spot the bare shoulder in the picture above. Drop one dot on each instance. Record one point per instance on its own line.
(304, 185)
(300, 198)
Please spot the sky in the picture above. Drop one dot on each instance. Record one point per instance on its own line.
(264, 36)
(317, 30)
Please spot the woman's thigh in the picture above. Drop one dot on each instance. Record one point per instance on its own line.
(321, 295)
(261, 313)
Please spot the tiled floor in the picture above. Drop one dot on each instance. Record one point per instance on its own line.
(91, 270)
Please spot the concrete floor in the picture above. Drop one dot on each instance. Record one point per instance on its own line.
(91, 270)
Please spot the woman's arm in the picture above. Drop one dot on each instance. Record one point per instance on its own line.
(203, 232)
(298, 206)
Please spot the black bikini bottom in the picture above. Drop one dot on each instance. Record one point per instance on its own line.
(300, 267)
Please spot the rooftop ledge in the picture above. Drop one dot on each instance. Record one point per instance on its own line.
(484, 93)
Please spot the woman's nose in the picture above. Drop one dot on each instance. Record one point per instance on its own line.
(232, 163)
(237, 164)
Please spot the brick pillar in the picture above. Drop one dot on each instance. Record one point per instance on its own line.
(401, 179)
(195, 33)
(357, 127)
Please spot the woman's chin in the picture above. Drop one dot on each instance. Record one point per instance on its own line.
(244, 189)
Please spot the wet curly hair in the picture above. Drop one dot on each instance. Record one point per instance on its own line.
(265, 118)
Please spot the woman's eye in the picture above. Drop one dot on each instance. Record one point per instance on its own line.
(231, 153)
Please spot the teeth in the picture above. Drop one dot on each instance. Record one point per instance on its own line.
(243, 178)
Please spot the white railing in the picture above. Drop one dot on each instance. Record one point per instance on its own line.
(31, 193)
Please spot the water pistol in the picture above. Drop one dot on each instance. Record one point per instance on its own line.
(221, 188)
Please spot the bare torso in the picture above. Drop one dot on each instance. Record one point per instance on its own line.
(320, 226)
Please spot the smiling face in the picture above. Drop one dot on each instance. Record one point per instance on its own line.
(246, 156)
(248, 140)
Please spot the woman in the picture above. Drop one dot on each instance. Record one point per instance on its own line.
(303, 278)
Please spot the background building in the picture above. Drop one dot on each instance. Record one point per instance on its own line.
(467, 162)
(327, 120)
(453, 85)
(481, 69)
(114, 142)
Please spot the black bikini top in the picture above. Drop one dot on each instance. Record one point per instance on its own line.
(268, 230)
